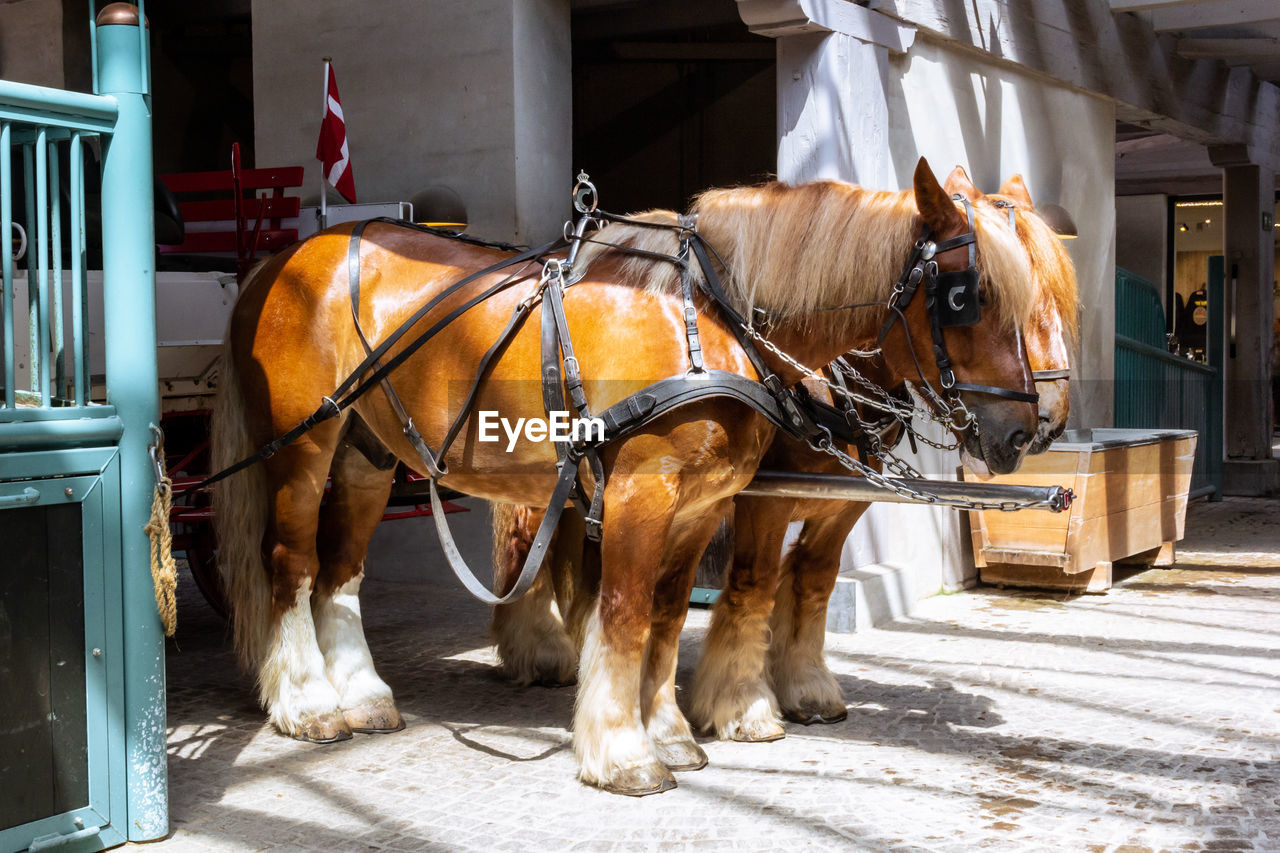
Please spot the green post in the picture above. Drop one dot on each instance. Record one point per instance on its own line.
(128, 241)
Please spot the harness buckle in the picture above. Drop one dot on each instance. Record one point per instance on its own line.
(553, 272)
(947, 379)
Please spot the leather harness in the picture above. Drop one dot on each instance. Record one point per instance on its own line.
(789, 408)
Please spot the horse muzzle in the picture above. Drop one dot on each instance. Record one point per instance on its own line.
(1004, 434)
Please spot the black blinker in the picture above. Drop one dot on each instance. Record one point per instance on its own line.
(957, 299)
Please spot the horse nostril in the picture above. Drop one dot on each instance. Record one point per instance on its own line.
(1019, 440)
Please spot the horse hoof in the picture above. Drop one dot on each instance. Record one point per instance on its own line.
(322, 734)
(380, 719)
(665, 784)
(364, 730)
(681, 756)
(755, 731)
(759, 737)
(810, 718)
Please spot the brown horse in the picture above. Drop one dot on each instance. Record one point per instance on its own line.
(737, 693)
(764, 651)
(294, 567)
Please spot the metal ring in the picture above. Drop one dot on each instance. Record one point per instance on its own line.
(22, 242)
(585, 197)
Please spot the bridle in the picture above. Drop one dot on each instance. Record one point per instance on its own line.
(951, 299)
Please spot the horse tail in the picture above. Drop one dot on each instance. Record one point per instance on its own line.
(530, 635)
(511, 541)
(240, 517)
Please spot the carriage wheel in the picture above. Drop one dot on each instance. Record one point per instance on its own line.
(203, 562)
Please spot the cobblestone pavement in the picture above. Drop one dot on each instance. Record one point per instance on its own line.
(1145, 719)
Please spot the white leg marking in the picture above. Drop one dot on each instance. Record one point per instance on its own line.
(292, 677)
(609, 739)
(340, 635)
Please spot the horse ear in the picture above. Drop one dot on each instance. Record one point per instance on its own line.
(958, 183)
(1016, 189)
(934, 203)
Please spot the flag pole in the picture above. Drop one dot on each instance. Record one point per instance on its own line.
(324, 207)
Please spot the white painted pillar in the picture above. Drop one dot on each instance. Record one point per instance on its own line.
(833, 117)
(833, 122)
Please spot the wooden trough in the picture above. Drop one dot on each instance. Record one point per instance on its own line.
(1130, 507)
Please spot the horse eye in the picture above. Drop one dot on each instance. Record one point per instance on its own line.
(982, 298)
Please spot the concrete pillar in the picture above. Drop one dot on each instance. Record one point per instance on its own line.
(1248, 191)
(473, 96)
(833, 117)
(1142, 237)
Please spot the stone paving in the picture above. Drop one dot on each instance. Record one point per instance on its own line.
(1143, 720)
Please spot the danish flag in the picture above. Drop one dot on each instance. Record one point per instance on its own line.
(331, 149)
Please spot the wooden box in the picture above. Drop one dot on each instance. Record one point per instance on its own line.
(1131, 490)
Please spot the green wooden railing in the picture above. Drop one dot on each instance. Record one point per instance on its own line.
(1155, 389)
(83, 462)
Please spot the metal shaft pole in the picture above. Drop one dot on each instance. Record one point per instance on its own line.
(128, 262)
(840, 487)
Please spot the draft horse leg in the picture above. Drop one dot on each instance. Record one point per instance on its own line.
(667, 727)
(291, 674)
(350, 516)
(731, 695)
(806, 689)
(529, 633)
(613, 747)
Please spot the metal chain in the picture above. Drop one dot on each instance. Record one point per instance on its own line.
(894, 463)
(902, 411)
(916, 495)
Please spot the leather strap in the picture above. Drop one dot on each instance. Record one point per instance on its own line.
(345, 395)
(795, 422)
(499, 346)
(537, 551)
(995, 391)
(433, 461)
(1048, 375)
(686, 289)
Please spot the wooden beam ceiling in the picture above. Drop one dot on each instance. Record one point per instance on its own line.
(1241, 51)
(1083, 45)
(1211, 13)
(1146, 5)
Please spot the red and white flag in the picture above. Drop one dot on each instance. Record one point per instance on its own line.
(331, 149)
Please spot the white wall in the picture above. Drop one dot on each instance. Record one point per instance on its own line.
(954, 109)
(470, 94)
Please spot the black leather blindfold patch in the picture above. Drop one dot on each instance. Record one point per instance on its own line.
(957, 303)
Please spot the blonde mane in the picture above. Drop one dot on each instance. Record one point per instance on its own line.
(1051, 265)
(795, 249)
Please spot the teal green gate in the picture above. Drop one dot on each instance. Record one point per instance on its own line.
(82, 699)
(1156, 389)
